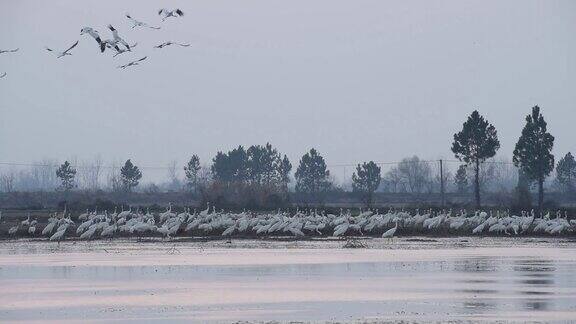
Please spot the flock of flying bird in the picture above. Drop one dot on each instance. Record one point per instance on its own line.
(116, 43)
(209, 222)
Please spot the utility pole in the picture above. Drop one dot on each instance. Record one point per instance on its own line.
(442, 183)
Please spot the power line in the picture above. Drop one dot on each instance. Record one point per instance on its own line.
(80, 166)
(167, 168)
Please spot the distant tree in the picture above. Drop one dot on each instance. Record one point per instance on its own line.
(66, 174)
(191, 171)
(262, 164)
(566, 173)
(284, 167)
(312, 175)
(523, 197)
(90, 173)
(366, 180)
(477, 142)
(394, 180)
(533, 152)
(130, 175)
(461, 179)
(415, 173)
(230, 167)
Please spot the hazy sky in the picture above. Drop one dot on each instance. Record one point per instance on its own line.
(359, 80)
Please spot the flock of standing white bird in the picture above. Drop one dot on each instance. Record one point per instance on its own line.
(117, 42)
(309, 223)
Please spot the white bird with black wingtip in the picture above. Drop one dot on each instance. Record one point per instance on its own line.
(165, 13)
(122, 51)
(94, 33)
(63, 53)
(169, 43)
(117, 37)
(137, 23)
(133, 63)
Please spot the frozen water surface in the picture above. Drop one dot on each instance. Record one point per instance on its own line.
(421, 280)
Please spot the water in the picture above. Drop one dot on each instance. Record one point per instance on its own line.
(314, 282)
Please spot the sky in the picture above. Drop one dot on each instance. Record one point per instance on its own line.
(358, 80)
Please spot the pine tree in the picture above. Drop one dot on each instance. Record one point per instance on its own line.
(66, 174)
(566, 172)
(461, 179)
(130, 175)
(533, 152)
(523, 197)
(284, 167)
(477, 142)
(366, 180)
(191, 172)
(312, 174)
(231, 167)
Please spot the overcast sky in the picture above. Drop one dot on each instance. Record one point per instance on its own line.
(358, 80)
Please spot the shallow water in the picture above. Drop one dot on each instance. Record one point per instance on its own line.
(316, 282)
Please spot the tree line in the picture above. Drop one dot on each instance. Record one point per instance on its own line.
(260, 174)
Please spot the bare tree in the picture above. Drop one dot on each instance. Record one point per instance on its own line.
(394, 180)
(114, 179)
(173, 180)
(90, 172)
(43, 175)
(7, 180)
(416, 173)
(505, 176)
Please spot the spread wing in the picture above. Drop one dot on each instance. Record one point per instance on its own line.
(71, 47)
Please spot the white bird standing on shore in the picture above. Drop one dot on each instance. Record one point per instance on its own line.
(13, 229)
(64, 53)
(137, 23)
(390, 233)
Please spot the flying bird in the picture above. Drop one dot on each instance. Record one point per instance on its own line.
(110, 43)
(3, 75)
(121, 51)
(133, 63)
(137, 23)
(92, 32)
(165, 13)
(117, 38)
(9, 51)
(171, 43)
(64, 53)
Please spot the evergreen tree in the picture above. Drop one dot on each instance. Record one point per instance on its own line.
(477, 142)
(66, 174)
(284, 167)
(461, 179)
(312, 175)
(231, 167)
(191, 172)
(523, 197)
(533, 152)
(366, 180)
(130, 175)
(566, 173)
(261, 164)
